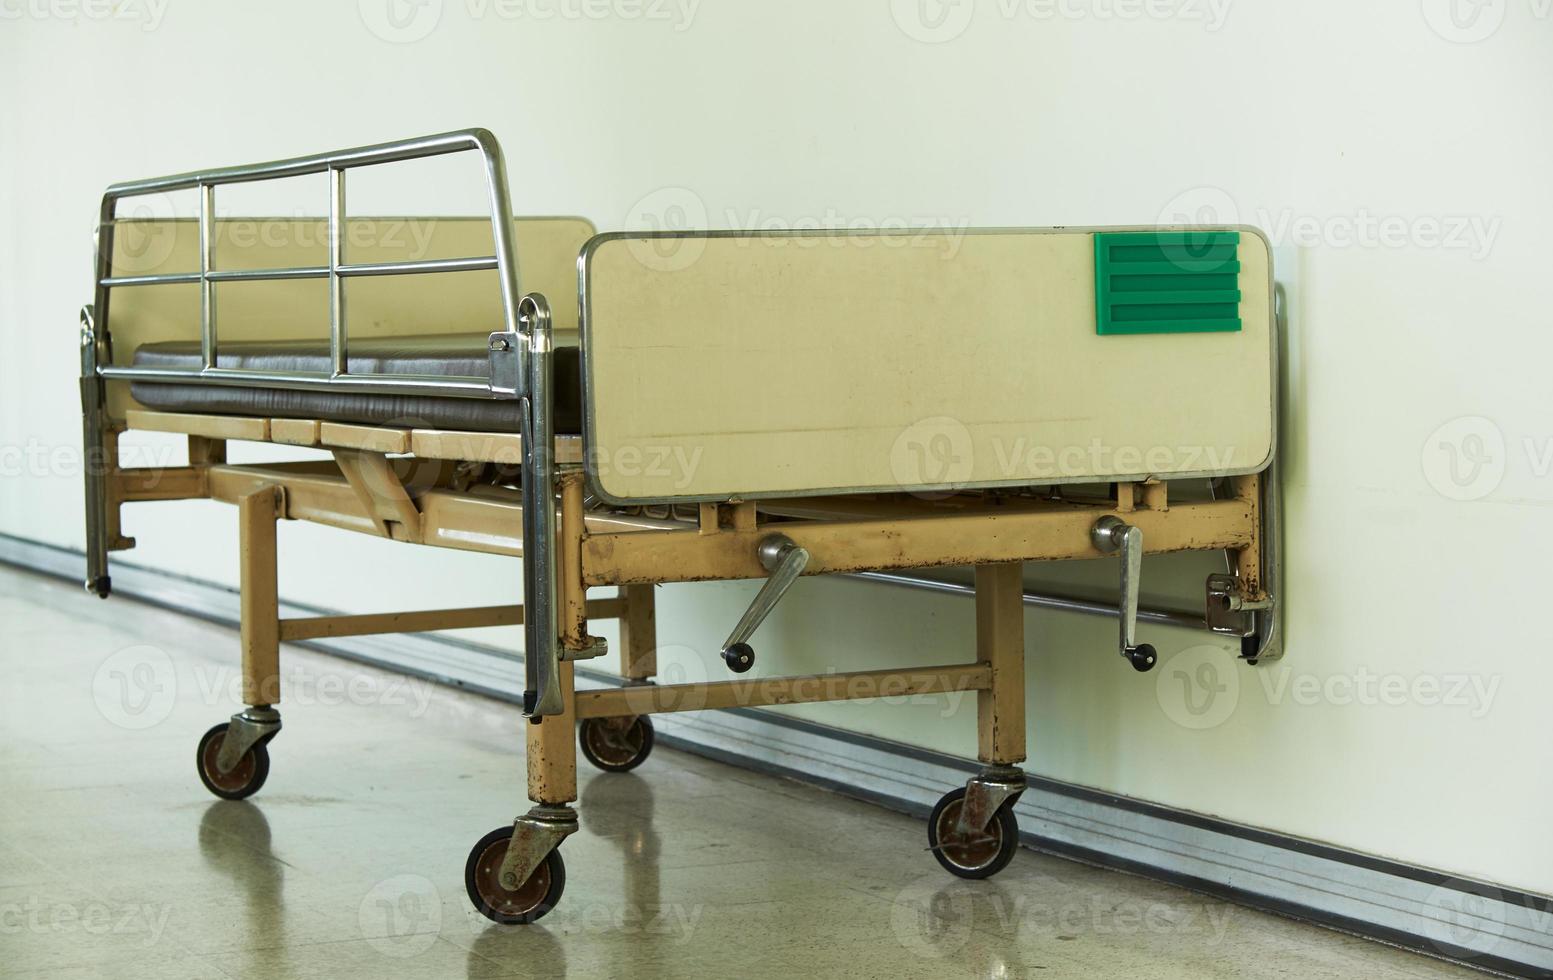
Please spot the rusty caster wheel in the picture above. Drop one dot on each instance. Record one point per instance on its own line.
(980, 856)
(511, 906)
(245, 778)
(616, 744)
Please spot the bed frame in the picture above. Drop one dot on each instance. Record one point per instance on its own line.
(846, 402)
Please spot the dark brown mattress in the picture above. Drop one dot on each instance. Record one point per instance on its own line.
(462, 355)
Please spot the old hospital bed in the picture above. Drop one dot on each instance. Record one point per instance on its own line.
(710, 406)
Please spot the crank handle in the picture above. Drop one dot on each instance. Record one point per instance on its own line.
(781, 556)
(1114, 536)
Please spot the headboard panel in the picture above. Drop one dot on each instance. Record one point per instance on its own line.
(376, 306)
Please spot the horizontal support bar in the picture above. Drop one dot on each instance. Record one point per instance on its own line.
(157, 483)
(1182, 618)
(424, 621)
(765, 691)
(480, 263)
(160, 279)
(419, 267)
(482, 519)
(441, 386)
(264, 275)
(1048, 533)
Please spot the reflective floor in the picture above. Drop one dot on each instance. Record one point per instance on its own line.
(115, 862)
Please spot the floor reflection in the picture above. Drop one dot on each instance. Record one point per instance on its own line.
(235, 840)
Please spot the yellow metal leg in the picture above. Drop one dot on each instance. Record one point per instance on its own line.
(257, 513)
(1000, 644)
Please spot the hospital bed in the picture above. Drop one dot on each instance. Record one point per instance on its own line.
(631, 409)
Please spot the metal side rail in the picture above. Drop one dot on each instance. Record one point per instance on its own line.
(520, 354)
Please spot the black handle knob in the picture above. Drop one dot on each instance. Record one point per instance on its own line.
(1142, 657)
(739, 657)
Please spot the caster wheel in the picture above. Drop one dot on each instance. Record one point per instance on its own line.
(739, 657)
(981, 856)
(1142, 657)
(616, 744)
(245, 778)
(511, 906)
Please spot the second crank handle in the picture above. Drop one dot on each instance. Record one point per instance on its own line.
(1112, 535)
(785, 560)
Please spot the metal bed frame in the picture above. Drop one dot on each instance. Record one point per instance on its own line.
(514, 874)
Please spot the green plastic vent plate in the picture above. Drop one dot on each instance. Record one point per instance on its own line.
(1167, 282)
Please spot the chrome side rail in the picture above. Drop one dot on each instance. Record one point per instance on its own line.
(94, 462)
(527, 332)
(542, 690)
(335, 165)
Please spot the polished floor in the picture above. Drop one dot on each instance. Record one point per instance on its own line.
(115, 862)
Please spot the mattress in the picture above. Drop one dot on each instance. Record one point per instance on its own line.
(461, 355)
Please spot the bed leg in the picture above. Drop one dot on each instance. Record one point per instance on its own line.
(552, 752)
(972, 831)
(257, 513)
(515, 874)
(552, 749)
(639, 634)
(623, 743)
(233, 757)
(1000, 643)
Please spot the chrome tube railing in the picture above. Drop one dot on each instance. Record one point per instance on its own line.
(525, 337)
(339, 378)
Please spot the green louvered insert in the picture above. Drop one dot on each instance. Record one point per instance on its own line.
(1167, 282)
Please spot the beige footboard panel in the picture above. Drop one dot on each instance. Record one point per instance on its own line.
(723, 365)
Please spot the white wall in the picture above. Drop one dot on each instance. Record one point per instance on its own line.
(1330, 115)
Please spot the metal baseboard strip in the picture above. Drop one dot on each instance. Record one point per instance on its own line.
(1476, 923)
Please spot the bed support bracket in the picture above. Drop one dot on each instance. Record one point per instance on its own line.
(504, 349)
